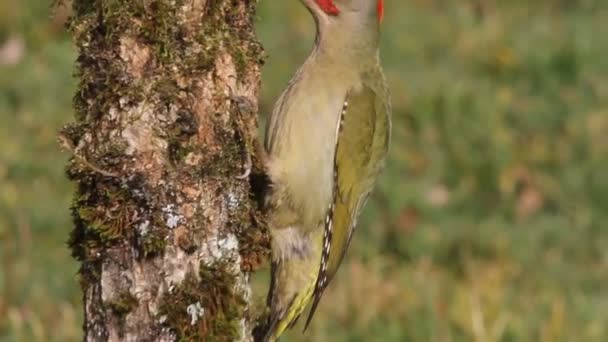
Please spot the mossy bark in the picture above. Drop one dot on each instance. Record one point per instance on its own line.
(167, 228)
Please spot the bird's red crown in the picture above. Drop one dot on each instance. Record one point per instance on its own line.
(330, 8)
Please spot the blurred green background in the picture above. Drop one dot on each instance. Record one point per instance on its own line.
(488, 225)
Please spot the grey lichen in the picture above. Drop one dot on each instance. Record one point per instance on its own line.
(206, 306)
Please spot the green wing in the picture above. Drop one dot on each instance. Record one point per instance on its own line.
(361, 148)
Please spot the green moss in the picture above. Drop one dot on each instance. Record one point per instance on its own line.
(123, 304)
(177, 151)
(152, 244)
(157, 24)
(89, 273)
(244, 56)
(222, 306)
(108, 215)
(180, 132)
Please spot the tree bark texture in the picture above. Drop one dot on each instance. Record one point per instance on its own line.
(167, 228)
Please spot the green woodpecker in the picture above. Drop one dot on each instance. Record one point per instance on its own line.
(327, 139)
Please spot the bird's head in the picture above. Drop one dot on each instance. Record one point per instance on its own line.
(335, 10)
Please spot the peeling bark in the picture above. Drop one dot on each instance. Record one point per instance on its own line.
(167, 229)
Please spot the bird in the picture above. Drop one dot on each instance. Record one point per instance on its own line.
(326, 142)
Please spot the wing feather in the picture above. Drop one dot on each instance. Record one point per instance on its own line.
(361, 147)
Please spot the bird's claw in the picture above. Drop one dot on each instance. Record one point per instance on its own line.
(248, 166)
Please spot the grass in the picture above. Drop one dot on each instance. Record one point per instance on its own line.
(489, 223)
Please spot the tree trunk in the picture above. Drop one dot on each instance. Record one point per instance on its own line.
(167, 227)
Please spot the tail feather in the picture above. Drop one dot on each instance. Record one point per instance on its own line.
(285, 315)
(277, 323)
(286, 320)
(311, 313)
(296, 259)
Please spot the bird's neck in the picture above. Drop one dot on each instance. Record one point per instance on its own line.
(349, 44)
